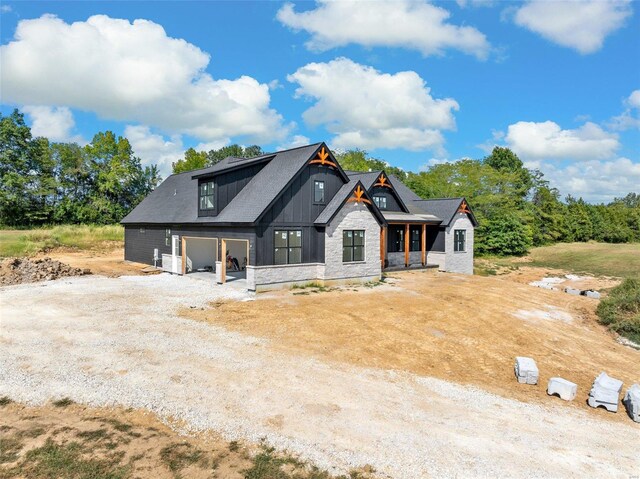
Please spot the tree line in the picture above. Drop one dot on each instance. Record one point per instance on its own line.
(44, 183)
(516, 207)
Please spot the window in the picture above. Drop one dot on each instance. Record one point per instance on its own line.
(287, 247)
(352, 245)
(381, 202)
(396, 239)
(318, 191)
(167, 237)
(207, 196)
(414, 240)
(459, 240)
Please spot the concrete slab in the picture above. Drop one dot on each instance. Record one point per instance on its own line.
(563, 388)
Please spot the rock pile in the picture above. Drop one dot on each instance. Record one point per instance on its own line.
(24, 270)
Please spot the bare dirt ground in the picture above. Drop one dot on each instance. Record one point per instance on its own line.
(453, 327)
(393, 376)
(105, 261)
(127, 440)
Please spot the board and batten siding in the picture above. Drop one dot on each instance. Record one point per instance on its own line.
(295, 209)
(392, 201)
(138, 246)
(227, 187)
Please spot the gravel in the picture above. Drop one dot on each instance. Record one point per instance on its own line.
(119, 342)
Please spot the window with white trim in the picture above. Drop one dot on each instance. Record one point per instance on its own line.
(459, 241)
(287, 247)
(167, 237)
(352, 246)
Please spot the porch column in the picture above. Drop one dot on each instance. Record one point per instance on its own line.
(424, 245)
(383, 246)
(406, 245)
(223, 268)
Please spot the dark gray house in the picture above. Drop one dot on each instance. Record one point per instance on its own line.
(295, 216)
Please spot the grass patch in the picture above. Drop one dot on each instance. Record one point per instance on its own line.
(600, 259)
(180, 455)
(95, 435)
(64, 402)
(52, 461)
(620, 310)
(18, 243)
(4, 401)
(10, 447)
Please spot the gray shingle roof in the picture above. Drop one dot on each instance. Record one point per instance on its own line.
(340, 198)
(444, 208)
(175, 200)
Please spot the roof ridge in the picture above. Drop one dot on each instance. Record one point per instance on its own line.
(440, 199)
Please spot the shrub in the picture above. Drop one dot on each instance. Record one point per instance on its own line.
(620, 311)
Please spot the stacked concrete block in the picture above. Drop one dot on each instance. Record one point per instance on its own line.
(573, 291)
(526, 370)
(563, 388)
(605, 392)
(632, 402)
(589, 293)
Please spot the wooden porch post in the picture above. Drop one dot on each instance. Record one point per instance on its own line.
(406, 245)
(383, 248)
(424, 245)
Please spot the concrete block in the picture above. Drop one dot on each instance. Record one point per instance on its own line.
(632, 402)
(591, 294)
(563, 388)
(605, 392)
(573, 291)
(526, 370)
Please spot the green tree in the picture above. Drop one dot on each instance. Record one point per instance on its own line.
(193, 160)
(358, 160)
(503, 235)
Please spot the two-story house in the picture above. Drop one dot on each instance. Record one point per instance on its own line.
(292, 217)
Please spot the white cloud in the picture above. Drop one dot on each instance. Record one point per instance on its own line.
(546, 140)
(55, 123)
(595, 181)
(132, 72)
(581, 25)
(5, 8)
(476, 3)
(630, 118)
(294, 142)
(416, 25)
(152, 148)
(369, 109)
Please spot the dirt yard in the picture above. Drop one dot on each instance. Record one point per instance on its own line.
(453, 327)
(105, 262)
(413, 378)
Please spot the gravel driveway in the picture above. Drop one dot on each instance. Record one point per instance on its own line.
(118, 341)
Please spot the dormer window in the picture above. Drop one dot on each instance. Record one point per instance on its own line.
(207, 195)
(381, 202)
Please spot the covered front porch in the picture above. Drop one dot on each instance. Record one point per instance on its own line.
(404, 240)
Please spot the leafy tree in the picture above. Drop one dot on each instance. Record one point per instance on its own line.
(503, 235)
(193, 160)
(357, 160)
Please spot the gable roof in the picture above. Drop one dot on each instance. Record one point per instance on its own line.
(444, 208)
(339, 200)
(266, 186)
(370, 177)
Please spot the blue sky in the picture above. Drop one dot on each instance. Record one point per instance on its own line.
(413, 83)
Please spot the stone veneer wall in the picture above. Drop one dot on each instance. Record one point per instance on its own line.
(260, 277)
(437, 257)
(352, 216)
(459, 262)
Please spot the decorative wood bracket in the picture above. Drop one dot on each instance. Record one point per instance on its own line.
(464, 208)
(322, 160)
(383, 181)
(358, 196)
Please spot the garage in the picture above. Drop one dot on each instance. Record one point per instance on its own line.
(235, 259)
(199, 254)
